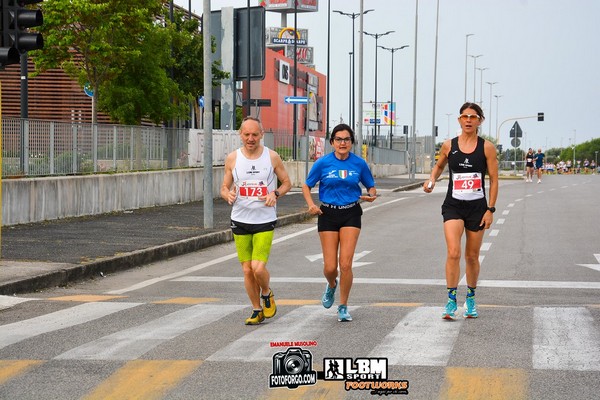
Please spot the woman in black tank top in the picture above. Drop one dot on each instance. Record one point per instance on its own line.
(466, 208)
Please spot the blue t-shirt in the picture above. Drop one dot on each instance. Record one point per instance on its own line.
(539, 160)
(339, 179)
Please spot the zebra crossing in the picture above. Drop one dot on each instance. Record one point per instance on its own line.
(565, 339)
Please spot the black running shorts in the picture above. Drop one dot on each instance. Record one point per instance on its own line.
(470, 212)
(334, 218)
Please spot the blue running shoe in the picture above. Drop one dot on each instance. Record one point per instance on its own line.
(450, 310)
(343, 314)
(470, 308)
(329, 295)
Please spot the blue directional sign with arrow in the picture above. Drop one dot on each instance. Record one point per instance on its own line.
(296, 100)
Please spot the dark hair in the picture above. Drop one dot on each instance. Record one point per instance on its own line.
(249, 118)
(473, 106)
(339, 128)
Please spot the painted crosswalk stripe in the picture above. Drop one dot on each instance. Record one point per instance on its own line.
(144, 379)
(19, 331)
(302, 324)
(422, 338)
(485, 383)
(11, 368)
(565, 339)
(130, 344)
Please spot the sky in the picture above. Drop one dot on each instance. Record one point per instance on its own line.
(543, 55)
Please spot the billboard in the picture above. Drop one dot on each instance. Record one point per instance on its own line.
(386, 114)
(288, 5)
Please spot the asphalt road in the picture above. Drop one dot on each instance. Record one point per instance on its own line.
(174, 329)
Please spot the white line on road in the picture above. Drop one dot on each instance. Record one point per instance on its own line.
(485, 246)
(130, 344)
(505, 212)
(385, 281)
(500, 221)
(302, 324)
(565, 339)
(494, 232)
(422, 337)
(19, 331)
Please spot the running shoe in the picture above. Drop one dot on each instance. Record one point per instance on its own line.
(539, 181)
(343, 314)
(450, 310)
(329, 295)
(470, 308)
(269, 306)
(256, 318)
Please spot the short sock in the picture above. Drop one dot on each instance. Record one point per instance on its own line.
(452, 294)
(470, 291)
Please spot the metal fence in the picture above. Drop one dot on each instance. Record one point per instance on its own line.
(39, 148)
(42, 148)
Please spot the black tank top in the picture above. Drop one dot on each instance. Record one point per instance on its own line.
(461, 163)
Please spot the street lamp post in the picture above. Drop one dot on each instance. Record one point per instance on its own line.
(497, 96)
(350, 91)
(353, 86)
(481, 85)
(475, 75)
(392, 110)
(466, 58)
(376, 36)
(491, 86)
(448, 128)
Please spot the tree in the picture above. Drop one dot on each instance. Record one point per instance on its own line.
(93, 41)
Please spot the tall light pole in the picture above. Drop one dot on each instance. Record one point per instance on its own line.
(350, 91)
(491, 86)
(392, 109)
(448, 129)
(497, 96)
(413, 155)
(353, 85)
(437, 19)
(475, 75)
(466, 58)
(376, 36)
(481, 85)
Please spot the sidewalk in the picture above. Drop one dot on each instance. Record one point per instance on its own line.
(53, 253)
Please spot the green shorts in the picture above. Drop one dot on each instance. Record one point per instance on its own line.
(254, 246)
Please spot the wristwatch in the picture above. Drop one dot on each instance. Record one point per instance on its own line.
(492, 209)
(277, 193)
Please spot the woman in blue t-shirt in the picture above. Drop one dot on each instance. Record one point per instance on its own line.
(339, 175)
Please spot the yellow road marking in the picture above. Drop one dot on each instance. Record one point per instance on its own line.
(144, 379)
(11, 368)
(188, 300)
(323, 390)
(86, 298)
(485, 384)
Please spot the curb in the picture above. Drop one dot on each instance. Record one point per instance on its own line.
(129, 260)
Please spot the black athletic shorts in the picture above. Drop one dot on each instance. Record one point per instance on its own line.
(470, 212)
(336, 217)
(240, 228)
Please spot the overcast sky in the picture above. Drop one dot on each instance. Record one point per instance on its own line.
(543, 54)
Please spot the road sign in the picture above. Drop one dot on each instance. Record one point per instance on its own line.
(516, 131)
(296, 100)
(516, 142)
(87, 89)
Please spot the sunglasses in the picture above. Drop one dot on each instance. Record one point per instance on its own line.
(465, 117)
(340, 140)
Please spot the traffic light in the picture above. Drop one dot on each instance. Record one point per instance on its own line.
(540, 116)
(16, 38)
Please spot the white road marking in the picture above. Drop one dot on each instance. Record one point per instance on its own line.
(510, 205)
(10, 301)
(505, 212)
(426, 282)
(595, 267)
(565, 339)
(131, 344)
(63, 319)
(422, 337)
(302, 324)
(485, 246)
(494, 232)
(500, 221)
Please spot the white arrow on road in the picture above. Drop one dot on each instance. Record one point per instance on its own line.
(355, 262)
(593, 266)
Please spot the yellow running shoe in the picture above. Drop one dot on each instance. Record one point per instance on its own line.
(256, 318)
(269, 306)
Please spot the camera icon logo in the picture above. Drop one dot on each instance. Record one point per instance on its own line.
(292, 368)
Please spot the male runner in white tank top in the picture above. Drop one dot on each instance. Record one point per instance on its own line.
(250, 186)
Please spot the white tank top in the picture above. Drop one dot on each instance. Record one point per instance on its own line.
(253, 179)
